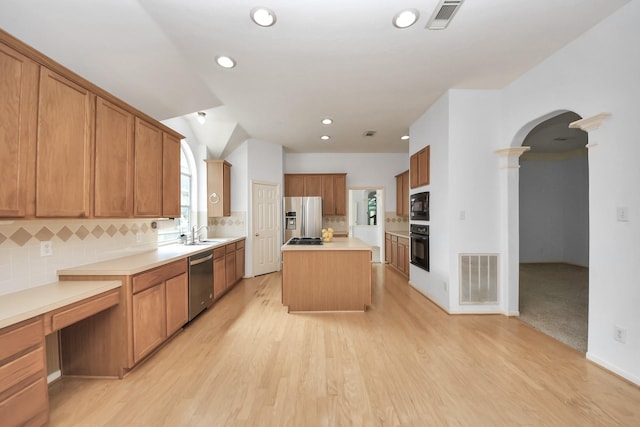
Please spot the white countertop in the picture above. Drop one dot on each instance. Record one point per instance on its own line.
(133, 264)
(337, 244)
(22, 305)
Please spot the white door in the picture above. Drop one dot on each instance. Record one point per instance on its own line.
(266, 228)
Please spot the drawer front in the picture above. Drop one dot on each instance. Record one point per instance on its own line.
(394, 238)
(15, 339)
(239, 244)
(71, 315)
(21, 368)
(230, 248)
(29, 403)
(219, 252)
(158, 275)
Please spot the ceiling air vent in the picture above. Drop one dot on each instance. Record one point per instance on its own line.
(369, 133)
(443, 14)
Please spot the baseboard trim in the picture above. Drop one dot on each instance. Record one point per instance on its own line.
(54, 376)
(613, 369)
(575, 264)
(440, 306)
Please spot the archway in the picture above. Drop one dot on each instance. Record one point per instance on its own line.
(553, 196)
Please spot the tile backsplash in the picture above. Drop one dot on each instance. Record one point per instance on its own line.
(74, 242)
(228, 226)
(393, 222)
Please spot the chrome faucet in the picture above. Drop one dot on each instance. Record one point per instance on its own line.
(195, 231)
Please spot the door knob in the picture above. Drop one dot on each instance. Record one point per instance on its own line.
(257, 234)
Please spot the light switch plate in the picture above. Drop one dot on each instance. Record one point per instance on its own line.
(622, 213)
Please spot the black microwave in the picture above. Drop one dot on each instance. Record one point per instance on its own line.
(420, 206)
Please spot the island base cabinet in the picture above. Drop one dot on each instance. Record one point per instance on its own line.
(326, 280)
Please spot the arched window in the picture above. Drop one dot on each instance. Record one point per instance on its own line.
(188, 187)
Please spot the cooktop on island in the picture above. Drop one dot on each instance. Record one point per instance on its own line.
(305, 241)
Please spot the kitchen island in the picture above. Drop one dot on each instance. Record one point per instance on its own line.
(335, 276)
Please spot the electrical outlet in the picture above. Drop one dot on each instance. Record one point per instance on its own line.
(620, 334)
(46, 248)
(139, 237)
(622, 213)
(463, 215)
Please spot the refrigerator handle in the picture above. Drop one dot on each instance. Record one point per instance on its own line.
(303, 221)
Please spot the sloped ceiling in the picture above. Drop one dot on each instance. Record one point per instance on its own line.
(330, 58)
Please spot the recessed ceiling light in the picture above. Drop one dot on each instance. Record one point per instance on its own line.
(263, 16)
(327, 121)
(201, 117)
(325, 137)
(404, 137)
(225, 61)
(406, 18)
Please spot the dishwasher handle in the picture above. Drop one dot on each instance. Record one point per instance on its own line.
(200, 260)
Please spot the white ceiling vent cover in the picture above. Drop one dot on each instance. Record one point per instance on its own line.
(478, 278)
(443, 14)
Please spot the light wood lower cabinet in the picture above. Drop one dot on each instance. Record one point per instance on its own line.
(158, 305)
(148, 320)
(397, 252)
(23, 385)
(177, 299)
(228, 267)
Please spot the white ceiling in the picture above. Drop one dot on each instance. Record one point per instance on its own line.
(337, 58)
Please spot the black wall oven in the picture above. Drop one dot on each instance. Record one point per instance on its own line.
(420, 206)
(420, 246)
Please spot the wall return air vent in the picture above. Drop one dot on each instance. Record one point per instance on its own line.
(443, 14)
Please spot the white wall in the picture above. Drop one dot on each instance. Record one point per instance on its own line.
(554, 211)
(596, 73)
(374, 170)
(432, 128)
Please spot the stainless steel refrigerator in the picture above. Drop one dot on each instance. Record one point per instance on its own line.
(302, 217)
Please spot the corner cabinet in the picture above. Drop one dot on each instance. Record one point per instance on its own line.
(63, 147)
(18, 116)
(420, 167)
(218, 188)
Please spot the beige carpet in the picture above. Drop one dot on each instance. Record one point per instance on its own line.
(554, 298)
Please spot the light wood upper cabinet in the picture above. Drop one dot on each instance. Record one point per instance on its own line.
(170, 176)
(420, 167)
(331, 187)
(293, 185)
(18, 115)
(63, 148)
(402, 194)
(113, 182)
(218, 188)
(313, 185)
(334, 194)
(148, 170)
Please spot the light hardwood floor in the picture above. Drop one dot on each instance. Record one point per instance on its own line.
(247, 362)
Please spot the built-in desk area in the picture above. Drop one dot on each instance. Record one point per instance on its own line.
(26, 317)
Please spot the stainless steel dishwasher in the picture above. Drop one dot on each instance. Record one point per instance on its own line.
(200, 282)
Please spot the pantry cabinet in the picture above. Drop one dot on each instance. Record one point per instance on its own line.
(18, 115)
(218, 188)
(402, 194)
(419, 166)
(113, 170)
(63, 147)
